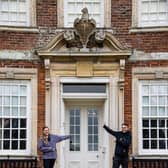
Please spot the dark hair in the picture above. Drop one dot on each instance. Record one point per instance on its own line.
(124, 124)
(45, 127)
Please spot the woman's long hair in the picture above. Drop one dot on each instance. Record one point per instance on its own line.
(46, 139)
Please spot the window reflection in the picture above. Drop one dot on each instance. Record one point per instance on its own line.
(22, 134)
(22, 145)
(14, 123)
(92, 129)
(14, 144)
(74, 130)
(15, 134)
(84, 88)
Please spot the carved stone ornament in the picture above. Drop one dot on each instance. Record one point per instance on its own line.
(85, 33)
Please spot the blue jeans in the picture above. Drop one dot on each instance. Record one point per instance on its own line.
(118, 160)
(48, 163)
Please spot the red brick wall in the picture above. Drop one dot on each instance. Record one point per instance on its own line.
(46, 13)
(12, 40)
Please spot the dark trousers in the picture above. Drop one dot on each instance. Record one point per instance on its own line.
(48, 163)
(118, 160)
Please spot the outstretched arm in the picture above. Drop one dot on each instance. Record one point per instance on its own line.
(61, 138)
(109, 130)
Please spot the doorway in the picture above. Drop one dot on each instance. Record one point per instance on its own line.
(84, 123)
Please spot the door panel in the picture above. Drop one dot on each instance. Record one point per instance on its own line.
(84, 125)
(74, 164)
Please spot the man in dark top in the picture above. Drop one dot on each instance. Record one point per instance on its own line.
(123, 141)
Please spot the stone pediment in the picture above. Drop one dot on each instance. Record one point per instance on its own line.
(58, 47)
(84, 40)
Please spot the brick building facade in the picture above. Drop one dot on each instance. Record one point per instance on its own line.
(49, 65)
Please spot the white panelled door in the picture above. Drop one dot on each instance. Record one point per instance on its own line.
(84, 124)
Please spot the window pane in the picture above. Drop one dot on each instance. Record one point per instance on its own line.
(0, 100)
(74, 119)
(15, 134)
(0, 134)
(145, 100)
(84, 88)
(145, 123)
(14, 100)
(0, 123)
(6, 134)
(154, 111)
(153, 144)
(22, 111)
(0, 144)
(6, 123)
(14, 111)
(6, 100)
(154, 133)
(22, 134)
(145, 133)
(22, 145)
(15, 90)
(23, 100)
(146, 144)
(6, 144)
(153, 123)
(162, 89)
(162, 123)
(162, 144)
(145, 111)
(6, 111)
(23, 123)
(73, 11)
(92, 129)
(14, 145)
(162, 133)
(6, 90)
(23, 90)
(153, 100)
(162, 100)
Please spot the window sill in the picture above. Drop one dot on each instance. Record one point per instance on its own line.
(148, 29)
(19, 29)
(18, 157)
(149, 157)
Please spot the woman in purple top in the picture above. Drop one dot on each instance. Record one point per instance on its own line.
(47, 145)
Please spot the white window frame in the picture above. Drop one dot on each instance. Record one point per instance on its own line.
(84, 95)
(139, 74)
(22, 75)
(141, 150)
(90, 13)
(105, 8)
(136, 14)
(30, 16)
(27, 117)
